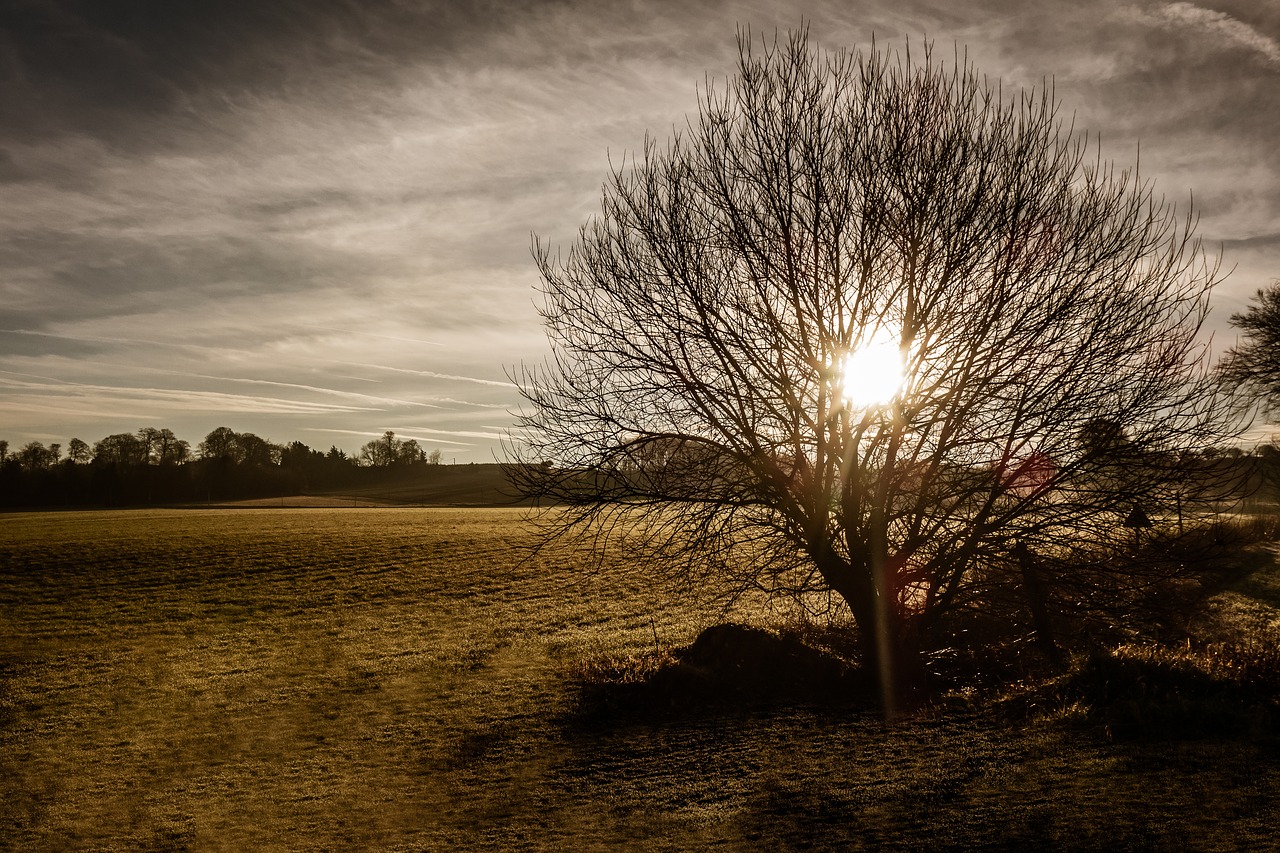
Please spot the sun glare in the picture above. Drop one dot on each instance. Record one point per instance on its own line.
(872, 375)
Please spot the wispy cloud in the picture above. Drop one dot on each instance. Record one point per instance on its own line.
(434, 375)
(100, 339)
(371, 335)
(377, 433)
(459, 433)
(211, 401)
(1222, 28)
(349, 395)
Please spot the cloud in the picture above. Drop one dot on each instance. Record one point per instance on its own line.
(377, 433)
(460, 433)
(1261, 241)
(1223, 29)
(434, 375)
(47, 388)
(307, 197)
(349, 395)
(200, 349)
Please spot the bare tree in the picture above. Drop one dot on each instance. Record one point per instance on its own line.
(1253, 365)
(409, 452)
(79, 452)
(380, 452)
(389, 450)
(34, 456)
(847, 332)
(221, 444)
(121, 449)
(163, 447)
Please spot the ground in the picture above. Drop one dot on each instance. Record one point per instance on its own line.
(404, 678)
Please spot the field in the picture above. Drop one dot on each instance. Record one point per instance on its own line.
(403, 678)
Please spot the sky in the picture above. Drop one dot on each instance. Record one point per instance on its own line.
(311, 219)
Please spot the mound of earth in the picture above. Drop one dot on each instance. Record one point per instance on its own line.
(737, 666)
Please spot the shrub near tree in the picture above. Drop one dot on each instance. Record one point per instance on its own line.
(846, 333)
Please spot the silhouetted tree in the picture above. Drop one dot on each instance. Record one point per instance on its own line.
(79, 452)
(117, 460)
(389, 450)
(149, 436)
(239, 448)
(163, 447)
(122, 448)
(1104, 438)
(295, 454)
(1253, 365)
(339, 468)
(312, 468)
(34, 456)
(254, 450)
(408, 452)
(241, 464)
(221, 444)
(380, 452)
(706, 401)
(434, 457)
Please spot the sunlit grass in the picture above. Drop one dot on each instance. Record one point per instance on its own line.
(400, 678)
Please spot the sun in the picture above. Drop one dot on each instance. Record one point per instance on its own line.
(873, 374)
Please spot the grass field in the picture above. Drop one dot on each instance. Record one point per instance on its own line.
(400, 679)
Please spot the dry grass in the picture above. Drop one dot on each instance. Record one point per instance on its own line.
(399, 679)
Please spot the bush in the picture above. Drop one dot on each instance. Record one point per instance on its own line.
(1154, 692)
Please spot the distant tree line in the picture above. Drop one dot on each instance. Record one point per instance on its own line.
(154, 466)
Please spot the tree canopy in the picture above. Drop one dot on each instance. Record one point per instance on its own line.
(851, 331)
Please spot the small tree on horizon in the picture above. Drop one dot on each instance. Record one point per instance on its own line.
(34, 456)
(388, 450)
(79, 452)
(707, 397)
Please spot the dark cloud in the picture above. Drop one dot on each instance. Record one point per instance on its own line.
(10, 170)
(101, 67)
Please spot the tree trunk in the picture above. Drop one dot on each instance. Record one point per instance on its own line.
(889, 645)
(1038, 602)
